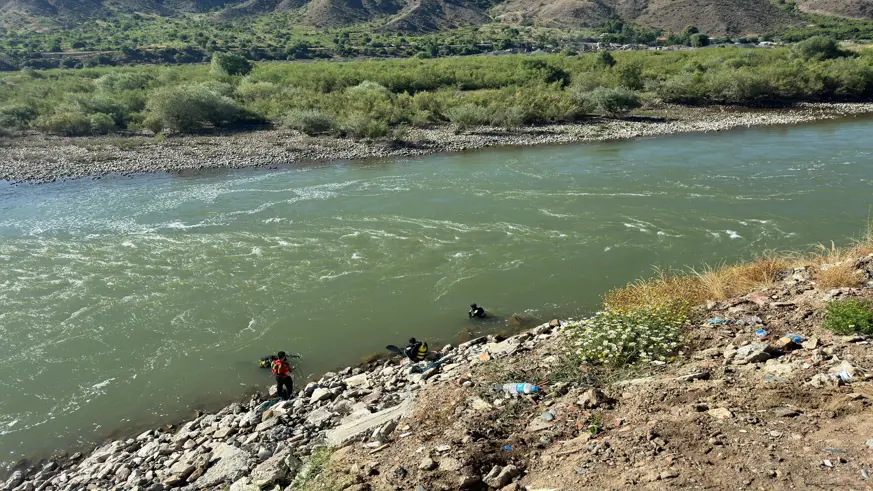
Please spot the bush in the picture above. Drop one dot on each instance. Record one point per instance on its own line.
(16, 116)
(190, 107)
(253, 91)
(120, 81)
(615, 337)
(360, 126)
(308, 121)
(610, 102)
(102, 124)
(230, 64)
(66, 122)
(630, 75)
(467, 116)
(849, 317)
(698, 40)
(370, 99)
(817, 48)
(735, 87)
(605, 59)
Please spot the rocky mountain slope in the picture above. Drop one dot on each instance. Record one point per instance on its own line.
(714, 17)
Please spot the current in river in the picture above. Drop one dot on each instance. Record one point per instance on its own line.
(128, 302)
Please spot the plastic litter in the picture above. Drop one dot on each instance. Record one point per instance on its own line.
(717, 320)
(519, 388)
(507, 447)
(845, 376)
(761, 333)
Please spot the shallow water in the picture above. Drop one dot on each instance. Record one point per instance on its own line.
(129, 302)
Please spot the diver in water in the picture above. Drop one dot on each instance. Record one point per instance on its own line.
(416, 350)
(476, 312)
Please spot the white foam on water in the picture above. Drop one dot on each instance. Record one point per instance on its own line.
(355, 255)
(128, 244)
(607, 249)
(556, 215)
(256, 251)
(714, 234)
(636, 226)
(733, 234)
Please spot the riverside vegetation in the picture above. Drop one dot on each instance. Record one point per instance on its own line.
(374, 99)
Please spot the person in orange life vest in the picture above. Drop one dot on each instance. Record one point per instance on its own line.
(282, 370)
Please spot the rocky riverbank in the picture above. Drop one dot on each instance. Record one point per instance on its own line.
(763, 398)
(43, 158)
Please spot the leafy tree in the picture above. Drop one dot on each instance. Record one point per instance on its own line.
(189, 108)
(230, 64)
(817, 48)
(605, 59)
(699, 40)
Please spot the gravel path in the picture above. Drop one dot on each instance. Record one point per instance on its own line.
(46, 158)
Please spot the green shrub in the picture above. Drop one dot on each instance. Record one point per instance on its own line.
(509, 118)
(605, 59)
(849, 317)
(615, 337)
(66, 122)
(466, 116)
(699, 40)
(817, 48)
(630, 75)
(685, 88)
(253, 91)
(120, 81)
(735, 87)
(230, 64)
(308, 121)
(610, 102)
(102, 124)
(16, 116)
(362, 127)
(370, 99)
(189, 108)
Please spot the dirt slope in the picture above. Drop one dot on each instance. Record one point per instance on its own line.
(857, 9)
(740, 412)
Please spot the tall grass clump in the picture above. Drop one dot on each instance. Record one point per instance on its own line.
(851, 316)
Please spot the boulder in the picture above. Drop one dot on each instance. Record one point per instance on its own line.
(591, 399)
(450, 464)
(347, 432)
(223, 433)
(811, 343)
(503, 476)
(361, 380)
(753, 353)
(182, 469)
(785, 344)
(318, 416)
(230, 463)
(320, 394)
(270, 471)
(427, 464)
(720, 413)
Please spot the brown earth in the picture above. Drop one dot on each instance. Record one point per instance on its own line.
(856, 9)
(713, 420)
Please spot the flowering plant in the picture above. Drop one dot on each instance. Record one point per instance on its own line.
(616, 337)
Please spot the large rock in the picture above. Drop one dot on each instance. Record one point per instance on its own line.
(358, 381)
(230, 463)
(501, 476)
(753, 353)
(270, 471)
(347, 432)
(320, 394)
(318, 416)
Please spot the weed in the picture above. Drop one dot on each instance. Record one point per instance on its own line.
(850, 317)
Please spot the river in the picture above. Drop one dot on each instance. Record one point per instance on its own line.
(127, 302)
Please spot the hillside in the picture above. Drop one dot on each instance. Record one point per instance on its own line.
(714, 17)
(854, 9)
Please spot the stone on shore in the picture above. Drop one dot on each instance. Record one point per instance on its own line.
(230, 463)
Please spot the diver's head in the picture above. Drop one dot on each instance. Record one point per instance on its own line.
(412, 341)
(281, 355)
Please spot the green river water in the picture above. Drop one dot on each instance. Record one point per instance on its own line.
(127, 302)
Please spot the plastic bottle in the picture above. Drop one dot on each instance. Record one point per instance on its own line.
(519, 388)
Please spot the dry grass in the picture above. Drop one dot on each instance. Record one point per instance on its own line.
(832, 267)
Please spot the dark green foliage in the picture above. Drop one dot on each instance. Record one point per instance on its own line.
(468, 116)
(230, 64)
(609, 101)
(698, 40)
(605, 59)
(817, 48)
(850, 317)
(17, 116)
(189, 108)
(309, 121)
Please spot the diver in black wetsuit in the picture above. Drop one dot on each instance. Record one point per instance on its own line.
(476, 312)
